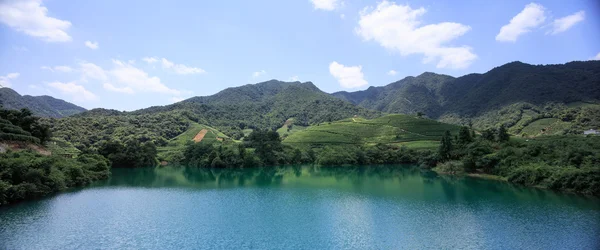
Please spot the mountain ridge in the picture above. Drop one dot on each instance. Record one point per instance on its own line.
(44, 106)
(473, 94)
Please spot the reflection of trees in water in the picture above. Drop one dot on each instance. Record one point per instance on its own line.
(433, 186)
(267, 176)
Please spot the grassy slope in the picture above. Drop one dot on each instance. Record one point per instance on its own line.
(178, 143)
(552, 126)
(284, 132)
(391, 129)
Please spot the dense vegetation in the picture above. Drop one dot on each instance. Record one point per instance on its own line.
(43, 106)
(471, 96)
(264, 105)
(131, 154)
(27, 175)
(21, 125)
(569, 163)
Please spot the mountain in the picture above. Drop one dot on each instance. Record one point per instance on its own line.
(44, 106)
(475, 94)
(266, 105)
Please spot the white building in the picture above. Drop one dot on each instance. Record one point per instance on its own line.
(591, 132)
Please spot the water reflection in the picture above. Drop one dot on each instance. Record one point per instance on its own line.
(395, 181)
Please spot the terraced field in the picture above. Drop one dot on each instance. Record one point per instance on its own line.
(391, 129)
(10, 132)
(546, 126)
(177, 144)
(288, 128)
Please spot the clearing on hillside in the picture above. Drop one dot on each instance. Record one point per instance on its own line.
(194, 133)
(390, 129)
(289, 128)
(545, 126)
(200, 135)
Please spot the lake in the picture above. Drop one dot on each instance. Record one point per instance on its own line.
(374, 207)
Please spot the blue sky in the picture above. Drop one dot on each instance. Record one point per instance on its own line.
(127, 55)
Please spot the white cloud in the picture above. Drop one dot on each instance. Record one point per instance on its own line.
(399, 28)
(126, 78)
(137, 79)
(177, 99)
(5, 80)
(92, 71)
(530, 17)
(91, 45)
(180, 68)
(348, 77)
(60, 68)
(342, 16)
(30, 17)
(326, 4)
(597, 57)
(294, 79)
(77, 92)
(150, 59)
(565, 23)
(110, 87)
(392, 72)
(259, 73)
(65, 69)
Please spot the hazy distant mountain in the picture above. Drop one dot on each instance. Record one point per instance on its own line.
(45, 106)
(474, 94)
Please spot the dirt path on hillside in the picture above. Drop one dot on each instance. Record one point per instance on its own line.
(200, 135)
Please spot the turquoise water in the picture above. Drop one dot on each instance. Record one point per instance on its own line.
(377, 207)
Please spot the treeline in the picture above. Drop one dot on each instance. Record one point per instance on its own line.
(27, 175)
(264, 148)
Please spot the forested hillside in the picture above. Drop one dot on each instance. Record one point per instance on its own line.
(43, 106)
(475, 95)
(264, 105)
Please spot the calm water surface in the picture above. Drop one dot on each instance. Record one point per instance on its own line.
(377, 207)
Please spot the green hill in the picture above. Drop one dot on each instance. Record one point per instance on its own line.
(43, 106)
(391, 129)
(475, 95)
(234, 112)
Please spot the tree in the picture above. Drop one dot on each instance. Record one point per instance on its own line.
(464, 136)
(265, 143)
(489, 134)
(503, 134)
(420, 114)
(445, 146)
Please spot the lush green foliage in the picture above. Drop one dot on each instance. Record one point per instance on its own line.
(131, 154)
(26, 175)
(388, 129)
(564, 163)
(92, 130)
(43, 106)
(260, 106)
(21, 125)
